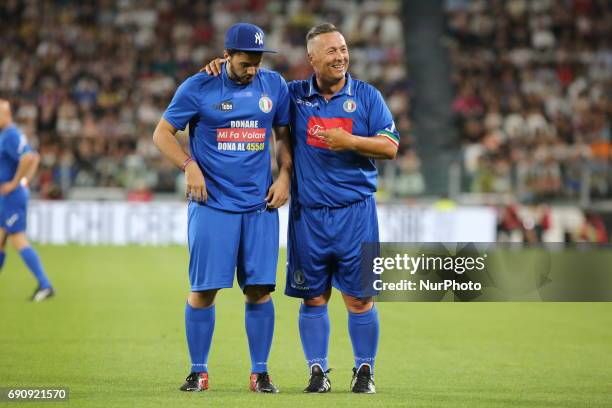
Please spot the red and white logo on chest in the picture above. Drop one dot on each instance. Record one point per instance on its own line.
(316, 124)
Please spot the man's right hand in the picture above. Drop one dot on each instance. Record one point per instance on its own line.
(195, 184)
(213, 67)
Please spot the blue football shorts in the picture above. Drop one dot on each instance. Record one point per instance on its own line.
(14, 211)
(324, 249)
(221, 243)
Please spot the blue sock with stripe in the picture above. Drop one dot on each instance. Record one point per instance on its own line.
(2, 258)
(32, 261)
(314, 332)
(364, 330)
(199, 326)
(259, 323)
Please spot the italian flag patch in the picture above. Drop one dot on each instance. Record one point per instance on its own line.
(392, 137)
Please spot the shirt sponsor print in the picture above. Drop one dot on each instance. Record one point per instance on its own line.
(12, 220)
(241, 139)
(317, 124)
(225, 106)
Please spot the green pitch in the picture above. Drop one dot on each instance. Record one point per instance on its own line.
(114, 335)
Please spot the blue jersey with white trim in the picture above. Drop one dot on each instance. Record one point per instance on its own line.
(322, 177)
(230, 126)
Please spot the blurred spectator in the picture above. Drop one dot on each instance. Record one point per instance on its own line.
(592, 230)
(527, 224)
(408, 180)
(533, 94)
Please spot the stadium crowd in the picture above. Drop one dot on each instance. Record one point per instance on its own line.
(90, 79)
(532, 99)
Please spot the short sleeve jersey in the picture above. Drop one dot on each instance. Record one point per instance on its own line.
(13, 145)
(322, 177)
(230, 126)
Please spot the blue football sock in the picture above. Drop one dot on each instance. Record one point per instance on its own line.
(199, 325)
(32, 261)
(2, 258)
(314, 332)
(364, 331)
(259, 323)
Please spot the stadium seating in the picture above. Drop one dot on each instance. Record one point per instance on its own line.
(91, 80)
(532, 100)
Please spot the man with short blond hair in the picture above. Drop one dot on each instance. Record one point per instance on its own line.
(340, 125)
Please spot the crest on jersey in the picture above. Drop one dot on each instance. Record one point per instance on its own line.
(349, 106)
(265, 104)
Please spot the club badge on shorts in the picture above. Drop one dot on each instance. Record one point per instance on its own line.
(298, 277)
(349, 106)
(265, 104)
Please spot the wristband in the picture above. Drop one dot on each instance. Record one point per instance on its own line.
(185, 163)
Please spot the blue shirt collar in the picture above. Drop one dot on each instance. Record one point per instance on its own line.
(347, 89)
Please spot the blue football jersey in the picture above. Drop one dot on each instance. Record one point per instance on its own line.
(13, 145)
(322, 177)
(230, 126)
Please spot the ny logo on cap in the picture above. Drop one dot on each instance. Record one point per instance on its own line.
(259, 38)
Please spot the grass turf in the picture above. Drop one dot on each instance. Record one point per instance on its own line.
(114, 335)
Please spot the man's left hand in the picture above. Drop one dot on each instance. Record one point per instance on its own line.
(278, 194)
(213, 67)
(6, 188)
(337, 139)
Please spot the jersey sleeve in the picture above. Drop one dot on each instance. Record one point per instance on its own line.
(184, 104)
(281, 116)
(380, 120)
(16, 144)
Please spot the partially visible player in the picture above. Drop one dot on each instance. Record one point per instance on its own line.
(233, 217)
(18, 164)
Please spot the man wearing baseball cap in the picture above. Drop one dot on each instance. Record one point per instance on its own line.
(233, 201)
